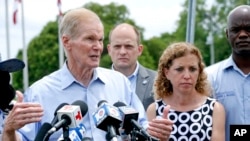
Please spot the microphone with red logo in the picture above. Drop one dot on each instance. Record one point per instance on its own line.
(70, 117)
(55, 119)
(108, 118)
(77, 133)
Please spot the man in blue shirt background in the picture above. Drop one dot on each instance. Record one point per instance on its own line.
(230, 78)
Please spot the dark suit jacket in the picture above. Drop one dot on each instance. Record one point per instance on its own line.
(144, 85)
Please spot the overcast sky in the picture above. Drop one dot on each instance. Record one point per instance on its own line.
(156, 16)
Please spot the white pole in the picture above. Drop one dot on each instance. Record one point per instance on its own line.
(25, 60)
(7, 34)
(7, 29)
(60, 46)
(191, 21)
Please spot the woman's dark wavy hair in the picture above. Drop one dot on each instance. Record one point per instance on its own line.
(162, 86)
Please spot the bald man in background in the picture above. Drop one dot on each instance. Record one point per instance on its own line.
(230, 78)
(124, 49)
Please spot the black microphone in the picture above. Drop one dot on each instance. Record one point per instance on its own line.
(130, 117)
(55, 119)
(83, 106)
(128, 114)
(108, 118)
(43, 131)
(7, 92)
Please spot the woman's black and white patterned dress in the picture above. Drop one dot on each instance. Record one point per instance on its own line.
(194, 125)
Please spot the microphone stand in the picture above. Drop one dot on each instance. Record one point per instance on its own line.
(46, 137)
(134, 135)
(137, 135)
(111, 135)
(66, 133)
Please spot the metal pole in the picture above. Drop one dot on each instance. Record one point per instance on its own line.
(210, 38)
(212, 50)
(211, 42)
(25, 60)
(60, 46)
(7, 29)
(191, 21)
(7, 33)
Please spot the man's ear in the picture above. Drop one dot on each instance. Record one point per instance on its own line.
(108, 48)
(226, 32)
(66, 41)
(140, 49)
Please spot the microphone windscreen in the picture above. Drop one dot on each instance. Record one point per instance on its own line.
(101, 102)
(7, 93)
(43, 131)
(5, 77)
(119, 104)
(83, 106)
(59, 107)
(55, 119)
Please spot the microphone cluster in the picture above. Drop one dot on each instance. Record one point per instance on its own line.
(117, 118)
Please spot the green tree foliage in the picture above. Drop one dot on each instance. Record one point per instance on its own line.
(200, 35)
(43, 57)
(146, 59)
(43, 50)
(208, 20)
(155, 46)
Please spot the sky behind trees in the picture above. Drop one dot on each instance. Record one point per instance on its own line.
(156, 16)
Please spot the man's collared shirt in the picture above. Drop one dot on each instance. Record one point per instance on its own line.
(60, 87)
(231, 88)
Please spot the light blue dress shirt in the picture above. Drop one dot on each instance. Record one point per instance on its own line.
(232, 89)
(1, 121)
(133, 77)
(60, 87)
(2, 118)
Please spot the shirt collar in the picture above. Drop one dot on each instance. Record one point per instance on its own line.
(67, 78)
(230, 64)
(134, 73)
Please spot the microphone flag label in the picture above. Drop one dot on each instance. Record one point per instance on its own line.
(239, 132)
(78, 115)
(74, 112)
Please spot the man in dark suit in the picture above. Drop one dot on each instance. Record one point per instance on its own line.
(124, 49)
